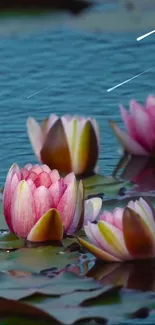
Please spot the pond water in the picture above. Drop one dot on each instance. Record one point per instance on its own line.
(77, 68)
(66, 72)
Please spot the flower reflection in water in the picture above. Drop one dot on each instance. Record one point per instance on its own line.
(139, 170)
(138, 275)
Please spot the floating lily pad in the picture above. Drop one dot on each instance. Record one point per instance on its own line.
(107, 185)
(10, 242)
(38, 259)
(64, 283)
(107, 304)
(3, 224)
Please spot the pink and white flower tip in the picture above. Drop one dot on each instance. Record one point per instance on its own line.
(41, 206)
(124, 234)
(68, 144)
(140, 125)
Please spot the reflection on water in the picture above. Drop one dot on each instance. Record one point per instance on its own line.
(138, 275)
(140, 170)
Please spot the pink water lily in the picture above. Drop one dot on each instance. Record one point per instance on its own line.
(123, 234)
(69, 143)
(40, 205)
(140, 124)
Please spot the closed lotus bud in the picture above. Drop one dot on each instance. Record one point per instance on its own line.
(39, 205)
(68, 144)
(124, 234)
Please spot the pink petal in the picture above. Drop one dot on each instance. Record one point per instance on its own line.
(24, 173)
(92, 209)
(35, 135)
(107, 216)
(37, 169)
(54, 175)
(7, 199)
(42, 200)
(43, 179)
(45, 168)
(118, 218)
(135, 106)
(22, 210)
(56, 191)
(69, 178)
(129, 145)
(143, 127)
(67, 205)
(9, 188)
(90, 236)
(150, 102)
(28, 166)
(32, 175)
(150, 107)
(31, 185)
(78, 218)
(129, 123)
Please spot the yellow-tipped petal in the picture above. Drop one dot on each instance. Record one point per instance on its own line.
(99, 253)
(86, 155)
(49, 227)
(113, 238)
(137, 235)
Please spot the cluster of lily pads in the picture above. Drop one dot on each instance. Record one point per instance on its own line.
(62, 228)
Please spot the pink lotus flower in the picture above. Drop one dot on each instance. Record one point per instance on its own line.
(39, 205)
(140, 124)
(123, 234)
(69, 143)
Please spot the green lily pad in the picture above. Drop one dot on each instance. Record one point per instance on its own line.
(123, 305)
(38, 259)
(112, 304)
(9, 241)
(93, 302)
(107, 185)
(3, 224)
(25, 287)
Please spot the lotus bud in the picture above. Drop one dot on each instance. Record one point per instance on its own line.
(68, 144)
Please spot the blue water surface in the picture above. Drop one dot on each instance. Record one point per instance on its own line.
(77, 68)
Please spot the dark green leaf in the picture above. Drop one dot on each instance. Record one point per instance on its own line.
(37, 259)
(107, 185)
(3, 224)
